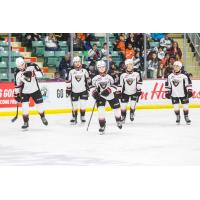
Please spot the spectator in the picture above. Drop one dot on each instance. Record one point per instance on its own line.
(65, 66)
(165, 60)
(92, 70)
(78, 44)
(139, 41)
(152, 66)
(157, 36)
(169, 67)
(166, 42)
(114, 73)
(51, 43)
(104, 51)
(138, 61)
(161, 53)
(120, 45)
(161, 70)
(29, 37)
(57, 77)
(129, 52)
(94, 54)
(175, 50)
(130, 40)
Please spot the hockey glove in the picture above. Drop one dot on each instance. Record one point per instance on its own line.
(118, 94)
(17, 97)
(138, 93)
(106, 92)
(68, 92)
(95, 94)
(27, 74)
(167, 95)
(189, 93)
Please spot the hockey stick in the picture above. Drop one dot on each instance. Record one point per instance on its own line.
(91, 116)
(16, 116)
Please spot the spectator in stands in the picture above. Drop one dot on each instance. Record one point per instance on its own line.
(139, 41)
(94, 54)
(92, 70)
(161, 53)
(166, 42)
(130, 40)
(169, 67)
(129, 52)
(51, 43)
(175, 50)
(104, 51)
(119, 45)
(65, 66)
(152, 66)
(29, 37)
(77, 43)
(138, 60)
(157, 36)
(114, 73)
(57, 77)
(165, 60)
(161, 70)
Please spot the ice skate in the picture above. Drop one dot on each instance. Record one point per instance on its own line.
(187, 120)
(132, 115)
(102, 130)
(44, 121)
(83, 119)
(178, 119)
(73, 121)
(119, 124)
(25, 126)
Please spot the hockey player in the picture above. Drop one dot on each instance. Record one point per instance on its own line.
(103, 91)
(179, 89)
(77, 87)
(26, 86)
(130, 83)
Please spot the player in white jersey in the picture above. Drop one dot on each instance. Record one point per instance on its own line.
(77, 87)
(104, 90)
(179, 88)
(130, 83)
(26, 86)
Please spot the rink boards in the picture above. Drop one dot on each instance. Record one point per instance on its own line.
(55, 100)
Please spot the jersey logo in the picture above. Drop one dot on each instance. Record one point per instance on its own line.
(175, 82)
(103, 84)
(129, 81)
(78, 77)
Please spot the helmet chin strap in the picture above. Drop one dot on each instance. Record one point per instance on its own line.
(177, 72)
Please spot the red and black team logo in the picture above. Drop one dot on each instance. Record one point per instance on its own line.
(78, 77)
(129, 81)
(103, 85)
(175, 82)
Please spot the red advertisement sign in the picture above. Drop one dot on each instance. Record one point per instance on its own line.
(7, 96)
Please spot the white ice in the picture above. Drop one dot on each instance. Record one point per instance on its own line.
(152, 139)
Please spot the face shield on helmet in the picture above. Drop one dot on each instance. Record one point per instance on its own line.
(20, 63)
(101, 67)
(77, 62)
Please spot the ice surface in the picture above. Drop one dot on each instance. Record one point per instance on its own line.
(152, 139)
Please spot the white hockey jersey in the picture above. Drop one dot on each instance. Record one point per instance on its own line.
(177, 84)
(130, 83)
(79, 79)
(26, 85)
(100, 83)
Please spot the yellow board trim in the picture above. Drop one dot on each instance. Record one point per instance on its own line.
(64, 111)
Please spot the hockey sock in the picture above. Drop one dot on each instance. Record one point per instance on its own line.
(132, 104)
(123, 112)
(176, 109)
(82, 112)
(185, 109)
(117, 113)
(25, 118)
(40, 109)
(102, 122)
(25, 108)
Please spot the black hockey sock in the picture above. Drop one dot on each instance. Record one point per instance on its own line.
(177, 112)
(75, 113)
(82, 113)
(118, 119)
(132, 110)
(102, 122)
(123, 112)
(185, 112)
(42, 114)
(25, 118)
